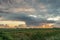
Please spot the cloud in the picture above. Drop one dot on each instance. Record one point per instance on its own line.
(33, 12)
(15, 10)
(54, 18)
(29, 19)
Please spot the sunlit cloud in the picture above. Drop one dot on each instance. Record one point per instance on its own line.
(54, 18)
(33, 16)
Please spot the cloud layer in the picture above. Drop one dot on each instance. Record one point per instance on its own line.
(33, 12)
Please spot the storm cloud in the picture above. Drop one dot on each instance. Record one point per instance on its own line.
(33, 12)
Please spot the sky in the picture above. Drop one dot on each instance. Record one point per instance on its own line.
(33, 12)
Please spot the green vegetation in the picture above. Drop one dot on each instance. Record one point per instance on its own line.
(30, 34)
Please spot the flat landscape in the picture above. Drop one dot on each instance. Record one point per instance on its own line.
(30, 34)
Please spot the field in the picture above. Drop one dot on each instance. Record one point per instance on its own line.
(30, 34)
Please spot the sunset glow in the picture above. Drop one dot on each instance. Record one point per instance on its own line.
(12, 23)
(32, 12)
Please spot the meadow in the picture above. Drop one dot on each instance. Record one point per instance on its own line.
(30, 34)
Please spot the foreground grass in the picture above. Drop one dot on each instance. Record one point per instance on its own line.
(30, 34)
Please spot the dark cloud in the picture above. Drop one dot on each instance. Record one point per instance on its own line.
(44, 8)
(28, 19)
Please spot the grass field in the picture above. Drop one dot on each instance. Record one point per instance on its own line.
(30, 34)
